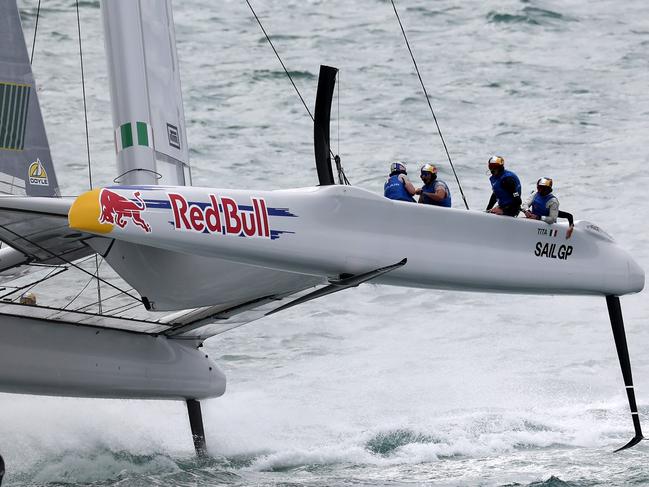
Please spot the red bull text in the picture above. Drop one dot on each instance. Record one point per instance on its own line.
(224, 216)
(119, 210)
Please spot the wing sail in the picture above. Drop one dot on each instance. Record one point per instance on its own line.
(25, 160)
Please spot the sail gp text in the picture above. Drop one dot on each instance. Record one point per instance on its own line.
(224, 217)
(552, 250)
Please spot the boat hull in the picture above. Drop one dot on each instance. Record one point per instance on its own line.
(334, 230)
(59, 359)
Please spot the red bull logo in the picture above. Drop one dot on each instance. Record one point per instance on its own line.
(119, 210)
(224, 216)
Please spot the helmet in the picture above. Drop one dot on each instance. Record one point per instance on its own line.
(398, 167)
(429, 168)
(28, 298)
(546, 182)
(496, 162)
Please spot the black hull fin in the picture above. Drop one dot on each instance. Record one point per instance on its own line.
(617, 324)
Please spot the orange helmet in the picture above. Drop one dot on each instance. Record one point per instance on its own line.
(496, 162)
(428, 168)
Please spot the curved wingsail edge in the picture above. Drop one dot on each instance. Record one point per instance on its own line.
(321, 139)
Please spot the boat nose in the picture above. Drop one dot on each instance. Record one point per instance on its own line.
(636, 276)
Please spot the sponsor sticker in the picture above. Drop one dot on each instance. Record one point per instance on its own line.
(37, 174)
(172, 134)
(119, 210)
(221, 216)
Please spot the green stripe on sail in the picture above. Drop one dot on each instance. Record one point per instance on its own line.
(142, 134)
(127, 135)
(5, 128)
(26, 111)
(14, 100)
(3, 115)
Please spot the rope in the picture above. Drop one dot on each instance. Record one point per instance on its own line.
(340, 169)
(280, 60)
(85, 117)
(38, 14)
(84, 287)
(35, 244)
(439, 131)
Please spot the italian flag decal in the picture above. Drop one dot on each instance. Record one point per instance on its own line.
(133, 133)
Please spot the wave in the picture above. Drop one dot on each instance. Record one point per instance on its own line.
(465, 435)
(556, 482)
(265, 74)
(109, 467)
(528, 15)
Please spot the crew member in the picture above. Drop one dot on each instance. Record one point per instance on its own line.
(506, 189)
(398, 186)
(543, 205)
(434, 191)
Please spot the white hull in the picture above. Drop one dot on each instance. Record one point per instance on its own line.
(333, 230)
(58, 359)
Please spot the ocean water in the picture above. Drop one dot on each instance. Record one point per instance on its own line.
(379, 385)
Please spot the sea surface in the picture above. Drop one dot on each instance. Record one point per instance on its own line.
(379, 385)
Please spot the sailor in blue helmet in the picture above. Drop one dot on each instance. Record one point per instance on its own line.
(543, 205)
(434, 191)
(506, 189)
(398, 186)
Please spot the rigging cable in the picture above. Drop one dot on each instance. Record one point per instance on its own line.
(85, 117)
(69, 262)
(342, 177)
(280, 60)
(439, 131)
(336, 157)
(27, 289)
(92, 278)
(38, 14)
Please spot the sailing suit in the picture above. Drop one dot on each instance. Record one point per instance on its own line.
(395, 189)
(507, 192)
(546, 207)
(432, 188)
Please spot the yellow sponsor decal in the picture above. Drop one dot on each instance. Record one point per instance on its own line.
(85, 214)
(37, 174)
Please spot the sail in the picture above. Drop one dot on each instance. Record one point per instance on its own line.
(148, 116)
(25, 160)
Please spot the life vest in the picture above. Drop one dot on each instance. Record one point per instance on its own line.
(505, 198)
(431, 188)
(395, 189)
(540, 204)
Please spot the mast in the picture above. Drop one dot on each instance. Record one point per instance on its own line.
(146, 98)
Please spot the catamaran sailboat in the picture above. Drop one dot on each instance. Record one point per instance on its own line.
(203, 260)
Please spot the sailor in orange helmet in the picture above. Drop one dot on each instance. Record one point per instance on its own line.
(506, 189)
(434, 191)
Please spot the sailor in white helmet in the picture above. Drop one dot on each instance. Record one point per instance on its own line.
(398, 186)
